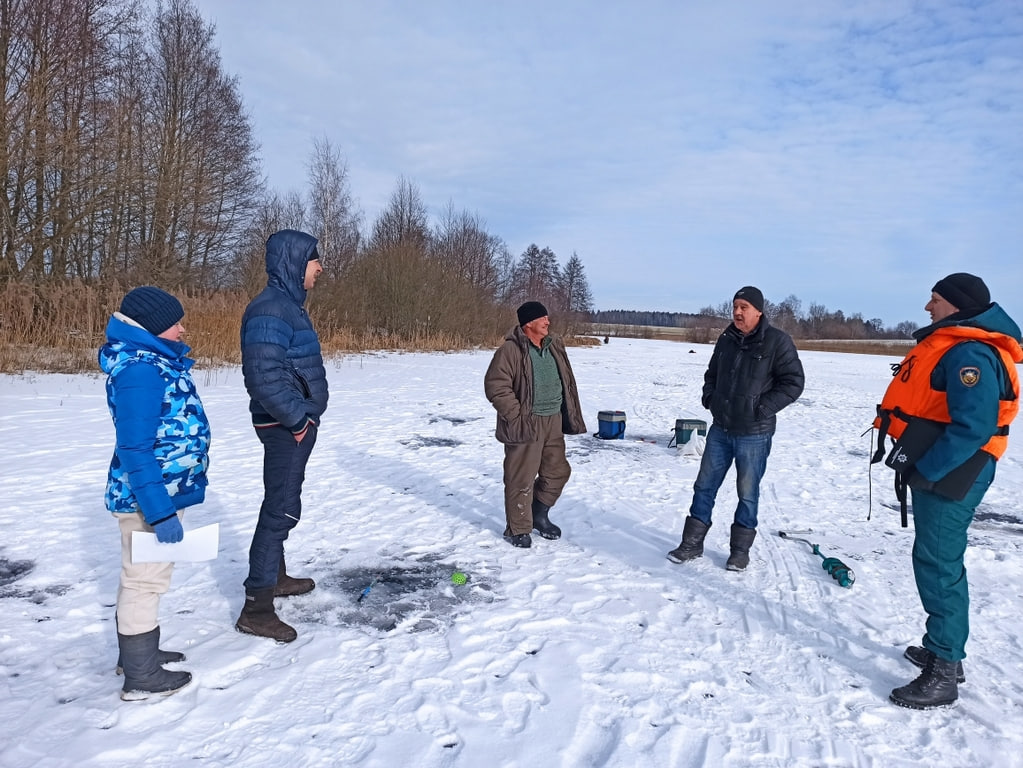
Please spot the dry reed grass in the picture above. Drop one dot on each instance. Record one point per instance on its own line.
(58, 328)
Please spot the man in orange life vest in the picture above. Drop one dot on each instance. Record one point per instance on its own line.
(958, 385)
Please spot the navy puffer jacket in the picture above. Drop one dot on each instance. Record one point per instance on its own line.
(281, 359)
(751, 378)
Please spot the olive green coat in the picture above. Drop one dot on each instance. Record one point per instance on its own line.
(508, 385)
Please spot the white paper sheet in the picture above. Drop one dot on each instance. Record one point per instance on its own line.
(198, 544)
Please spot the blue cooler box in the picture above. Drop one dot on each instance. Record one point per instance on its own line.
(611, 425)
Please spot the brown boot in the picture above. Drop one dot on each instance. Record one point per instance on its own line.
(289, 585)
(259, 617)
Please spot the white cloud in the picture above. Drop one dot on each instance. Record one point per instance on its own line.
(850, 153)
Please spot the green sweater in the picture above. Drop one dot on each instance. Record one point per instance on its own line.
(547, 394)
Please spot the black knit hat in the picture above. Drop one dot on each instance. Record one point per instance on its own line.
(964, 291)
(152, 308)
(752, 295)
(530, 311)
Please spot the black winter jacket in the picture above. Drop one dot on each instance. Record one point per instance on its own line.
(751, 378)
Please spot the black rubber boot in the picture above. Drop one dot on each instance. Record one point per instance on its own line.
(143, 675)
(162, 657)
(259, 617)
(288, 586)
(693, 534)
(522, 540)
(920, 656)
(936, 686)
(542, 524)
(739, 544)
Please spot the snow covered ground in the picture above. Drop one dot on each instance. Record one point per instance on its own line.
(590, 651)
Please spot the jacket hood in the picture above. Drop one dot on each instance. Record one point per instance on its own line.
(125, 340)
(287, 254)
(993, 319)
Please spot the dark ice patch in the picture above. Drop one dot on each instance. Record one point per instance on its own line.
(13, 570)
(415, 596)
(985, 516)
(455, 420)
(420, 441)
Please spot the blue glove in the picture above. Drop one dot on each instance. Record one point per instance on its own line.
(169, 530)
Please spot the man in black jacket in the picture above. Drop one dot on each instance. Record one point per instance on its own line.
(754, 372)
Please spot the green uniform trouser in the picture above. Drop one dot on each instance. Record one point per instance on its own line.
(938, 550)
(534, 470)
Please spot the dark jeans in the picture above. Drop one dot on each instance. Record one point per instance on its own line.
(284, 462)
(749, 452)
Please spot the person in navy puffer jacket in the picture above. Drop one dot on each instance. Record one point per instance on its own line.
(287, 384)
(157, 470)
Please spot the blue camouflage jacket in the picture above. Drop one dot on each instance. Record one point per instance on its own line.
(281, 360)
(162, 433)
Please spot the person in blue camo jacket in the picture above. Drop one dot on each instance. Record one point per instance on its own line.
(157, 470)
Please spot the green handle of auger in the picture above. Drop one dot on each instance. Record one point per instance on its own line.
(839, 571)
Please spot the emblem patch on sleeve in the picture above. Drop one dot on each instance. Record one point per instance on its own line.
(969, 375)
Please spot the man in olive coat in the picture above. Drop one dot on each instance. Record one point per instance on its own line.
(531, 385)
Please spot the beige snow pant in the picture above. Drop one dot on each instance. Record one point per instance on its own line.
(138, 596)
(534, 470)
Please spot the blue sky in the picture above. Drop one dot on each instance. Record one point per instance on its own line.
(849, 153)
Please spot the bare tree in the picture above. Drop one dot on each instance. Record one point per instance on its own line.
(55, 58)
(199, 154)
(404, 221)
(272, 214)
(333, 217)
(462, 244)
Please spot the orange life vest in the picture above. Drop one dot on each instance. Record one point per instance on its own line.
(910, 393)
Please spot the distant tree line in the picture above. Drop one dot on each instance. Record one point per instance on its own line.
(816, 323)
(129, 158)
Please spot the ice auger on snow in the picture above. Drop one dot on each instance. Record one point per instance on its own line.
(839, 571)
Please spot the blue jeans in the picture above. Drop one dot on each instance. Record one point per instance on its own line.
(284, 461)
(749, 452)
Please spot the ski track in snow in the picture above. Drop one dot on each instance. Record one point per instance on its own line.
(591, 651)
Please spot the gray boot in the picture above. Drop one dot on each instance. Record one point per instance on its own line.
(739, 544)
(693, 534)
(289, 585)
(162, 657)
(936, 686)
(143, 675)
(259, 618)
